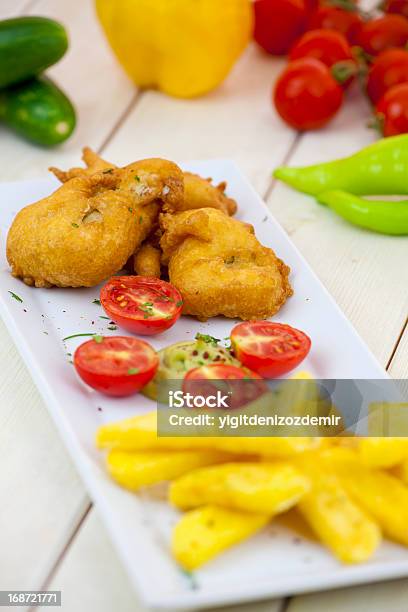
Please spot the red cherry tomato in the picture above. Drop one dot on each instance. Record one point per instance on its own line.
(207, 380)
(389, 68)
(327, 46)
(270, 349)
(306, 95)
(392, 110)
(329, 17)
(398, 7)
(116, 366)
(331, 48)
(383, 33)
(278, 23)
(142, 305)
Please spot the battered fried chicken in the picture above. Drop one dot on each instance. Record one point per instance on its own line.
(147, 261)
(86, 231)
(220, 268)
(198, 192)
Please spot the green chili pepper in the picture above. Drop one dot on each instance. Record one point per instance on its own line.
(380, 169)
(375, 215)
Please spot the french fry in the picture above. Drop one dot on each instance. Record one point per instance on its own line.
(383, 452)
(204, 533)
(401, 471)
(264, 488)
(381, 495)
(140, 433)
(335, 518)
(135, 470)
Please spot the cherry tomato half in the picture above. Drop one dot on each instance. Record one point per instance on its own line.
(142, 305)
(270, 349)
(278, 23)
(306, 95)
(383, 33)
(389, 68)
(392, 111)
(328, 17)
(116, 366)
(205, 381)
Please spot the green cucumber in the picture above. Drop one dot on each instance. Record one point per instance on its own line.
(39, 111)
(29, 45)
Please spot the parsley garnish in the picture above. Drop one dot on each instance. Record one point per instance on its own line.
(113, 327)
(109, 171)
(137, 178)
(130, 209)
(80, 336)
(98, 339)
(207, 339)
(147, 308)
(74, 224)
(230, 260)
(140, 220)
(179, 303)
(97, 302)
(132, 371)
(102, 317)
(15, 296)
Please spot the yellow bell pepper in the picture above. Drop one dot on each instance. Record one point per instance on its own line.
(180, 47)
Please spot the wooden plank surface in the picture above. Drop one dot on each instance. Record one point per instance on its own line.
(399, 364)
(236, 121)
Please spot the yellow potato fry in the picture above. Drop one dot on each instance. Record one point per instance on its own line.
(136, 470)
(401, 471)
(140, 433)
(335, 518)
(382, 495)
(202, 534)
(383, 452)
(265, 488)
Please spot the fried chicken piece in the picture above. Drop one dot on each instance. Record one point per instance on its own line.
(86, 231)
(94, 164)
(220, 268)
(147, 261)
(200, 193)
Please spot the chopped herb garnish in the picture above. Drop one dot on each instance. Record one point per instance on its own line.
(98, 339)
(130, 209)
(113, 327)
(140, 220)
(230, 260)
(137, 178)
(102, 317)
(179, 303)
(108, 171)
(208, 339)
(132, 371)
(16, 297)
(45, 332)
(78, 336)
(147, 308)
(97, 302)
(74, 224)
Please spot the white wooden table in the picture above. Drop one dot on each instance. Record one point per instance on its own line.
(50, 536)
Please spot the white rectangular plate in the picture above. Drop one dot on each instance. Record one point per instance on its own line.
(275, 562)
